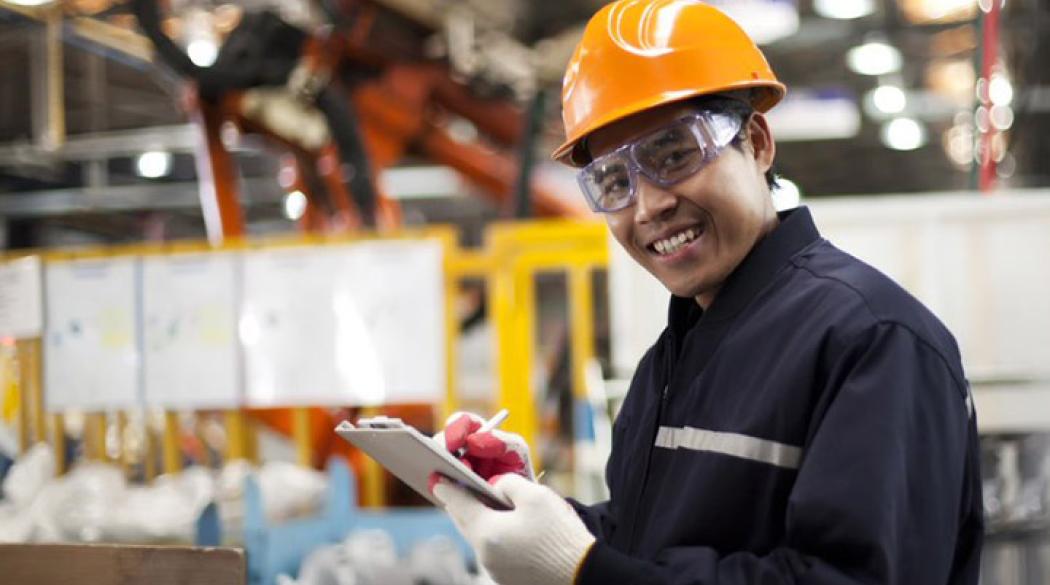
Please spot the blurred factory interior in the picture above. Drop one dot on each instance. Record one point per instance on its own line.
(915, 130)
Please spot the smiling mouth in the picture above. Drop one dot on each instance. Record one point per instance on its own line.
(669, 245)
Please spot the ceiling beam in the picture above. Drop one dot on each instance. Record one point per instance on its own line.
(177, 138)
(155, 196)
(124, 42)
(119, 40)
(34, 12)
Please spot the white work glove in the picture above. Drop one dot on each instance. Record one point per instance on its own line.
(540, 542)
(489, 454)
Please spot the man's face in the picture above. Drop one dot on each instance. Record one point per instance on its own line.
(725, 207)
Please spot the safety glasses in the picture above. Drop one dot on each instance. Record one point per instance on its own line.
(665, 157)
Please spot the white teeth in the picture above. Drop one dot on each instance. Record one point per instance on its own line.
(671, 244)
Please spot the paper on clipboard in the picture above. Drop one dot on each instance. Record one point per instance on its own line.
(413, 456)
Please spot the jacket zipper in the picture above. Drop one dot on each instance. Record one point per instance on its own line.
(645, 474)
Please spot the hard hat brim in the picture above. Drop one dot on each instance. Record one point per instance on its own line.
(761, 101)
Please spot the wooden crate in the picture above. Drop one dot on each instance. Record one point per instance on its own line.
(75, 564)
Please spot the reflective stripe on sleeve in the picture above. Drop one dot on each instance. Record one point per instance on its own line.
(732, 444)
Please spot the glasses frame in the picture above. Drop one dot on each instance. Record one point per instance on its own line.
(703, 126)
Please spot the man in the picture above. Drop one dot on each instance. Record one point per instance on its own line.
(801, 419)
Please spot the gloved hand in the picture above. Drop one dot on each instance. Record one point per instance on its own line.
(540, 542)
(489, 454)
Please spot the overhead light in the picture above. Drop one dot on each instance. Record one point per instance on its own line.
(199, 36)
(953, 80)
(998, 147)
(286, 176)
(461, 130)
(1002, 117)
(958, 142)
(786, 195)
(938, 11)
(874, 58)
(202, 52)
(295, 205)
(982, 119)
(765, 21)
(806, 115)
(1000, 90)
(153, 164)
(889, 99)
(986, 5)
(30, 2)
(903, 134)
(844, 9)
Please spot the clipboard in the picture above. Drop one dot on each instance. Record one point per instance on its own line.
(413, 456)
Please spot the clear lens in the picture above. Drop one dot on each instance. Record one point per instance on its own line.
(666, 156)
(723, 127)
(672, 154)
(608, 182)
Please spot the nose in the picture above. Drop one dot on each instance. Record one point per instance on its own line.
(652, 203)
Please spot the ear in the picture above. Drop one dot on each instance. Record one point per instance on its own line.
(762, 144)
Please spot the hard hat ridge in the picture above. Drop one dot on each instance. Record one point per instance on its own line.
(640, 54)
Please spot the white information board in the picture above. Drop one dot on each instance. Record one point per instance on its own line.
(359, 324)
(189, 319)
(91, 357)
(397, 290)
(21, 311)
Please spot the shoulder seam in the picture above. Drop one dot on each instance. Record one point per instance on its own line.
(962, 385)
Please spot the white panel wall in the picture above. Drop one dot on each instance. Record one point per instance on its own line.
(982, 264)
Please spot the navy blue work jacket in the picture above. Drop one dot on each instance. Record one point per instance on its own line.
(812, 427)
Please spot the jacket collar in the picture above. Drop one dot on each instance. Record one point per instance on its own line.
(795, 231)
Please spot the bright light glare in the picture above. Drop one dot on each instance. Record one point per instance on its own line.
(787, 195)
(30, 2)
(250, 329)
(1002, 117)
(764, 21)
(294, 205)
(927, 11)
(153, 164)
(889, 99)
(844, 9)
(903, 134)
(874, 58)
(959, 142)
(1000, 90)
(202, 52)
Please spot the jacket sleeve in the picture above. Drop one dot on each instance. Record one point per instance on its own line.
(880, 492)
(597, 518)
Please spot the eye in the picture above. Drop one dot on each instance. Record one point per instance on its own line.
(677, 156)
(669, 153)
(615, 184)
(612, 178)
(614, 190)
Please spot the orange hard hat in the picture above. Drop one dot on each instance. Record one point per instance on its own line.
(640, 54)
